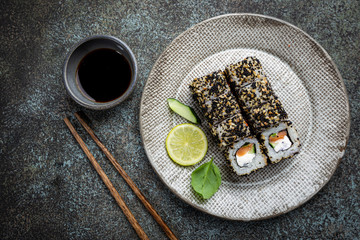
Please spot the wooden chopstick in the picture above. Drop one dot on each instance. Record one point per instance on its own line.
(128, 180)
(140, 232)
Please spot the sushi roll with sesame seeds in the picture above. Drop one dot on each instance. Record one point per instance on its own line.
(241, 148)
(258, 102)
(227, 125)
(262, 109)
(214, 97)
(280, 142)
(230, 130)
(246, 156)
(260, 106)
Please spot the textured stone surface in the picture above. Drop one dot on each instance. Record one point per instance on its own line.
(48, 187)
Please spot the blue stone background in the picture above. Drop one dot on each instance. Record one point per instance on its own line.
(48, 188)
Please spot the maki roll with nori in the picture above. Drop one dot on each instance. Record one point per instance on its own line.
(262, 109)
(280, 142)
(214, 97)
(230, 130)
(227, 125)
(240, 147)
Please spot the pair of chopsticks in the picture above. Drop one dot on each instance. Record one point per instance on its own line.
(140, 232)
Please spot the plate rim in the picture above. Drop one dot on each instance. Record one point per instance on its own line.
(348, 124)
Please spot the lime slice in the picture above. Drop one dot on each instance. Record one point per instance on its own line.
(186, 144)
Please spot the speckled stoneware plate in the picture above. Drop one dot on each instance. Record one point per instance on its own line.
(303, 76)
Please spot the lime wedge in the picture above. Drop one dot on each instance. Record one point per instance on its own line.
(186, 144)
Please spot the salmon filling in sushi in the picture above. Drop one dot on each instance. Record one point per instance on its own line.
(280, 141)
(245, 154)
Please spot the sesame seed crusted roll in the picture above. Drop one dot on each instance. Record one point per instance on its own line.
(231, 130)
(233, 134)
(245, 156)
(227, 125)
(263, 110)
(261, 107)
(258, 102)
(214, 97)
(274, 146)
(244, 72)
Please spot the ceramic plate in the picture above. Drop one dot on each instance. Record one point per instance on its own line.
(301, 73)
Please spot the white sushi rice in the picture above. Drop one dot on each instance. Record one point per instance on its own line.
(283, 151)
(259, 161)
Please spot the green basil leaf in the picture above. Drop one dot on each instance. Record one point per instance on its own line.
(206, 179)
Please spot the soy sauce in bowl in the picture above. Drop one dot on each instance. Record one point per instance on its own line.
(103, 75)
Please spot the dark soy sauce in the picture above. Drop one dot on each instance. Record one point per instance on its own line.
(104, 75)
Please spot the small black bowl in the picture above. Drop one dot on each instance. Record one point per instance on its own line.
(78, 52)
